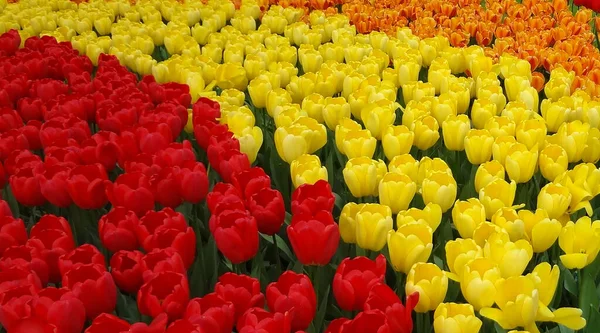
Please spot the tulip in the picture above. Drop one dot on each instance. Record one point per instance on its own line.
(211, 311)
(512, 257)
(399, 316)
(494, 94)
(359, 143)
(441, 189)
(107, 321)
(467, 215)
(94, 287)
(430, 215)
(454, 130)
(591, 152)
(258, 89)
(437, 74)
(541, 230)
(315, 132)
(580, 243)
(553, 161)
(417, 91)
(521, 162)
(327, 83)
(347, 222)
(126, 270)
(555, 113)
(314, 238)
(430, 282)
(426, 132)
(500, 126)
(345, 126)
(408, 72)
(310, 59)
(405, 164)
(166, 292)
(307, 169)
(268, 209)
(397, 140)
(311, 199)
(459, 252)
(334, 110)
(287, 114)
(362, 175)
(409, 244)
(532, 132)
(393, 183)
(370, 321)
(354, 278)
(242, 291)
(86, 186)
(236, 235)
(478, 146)
(314, 105)
(496, 195)
(83, 255)
(573, 138)
(378, 116)
(231, 75)
(291, 142)
(373, 222)
(501, 146)
(453, 317)
(482, 111)
(488, 172)
(478, 280)
(295, 293)
(554, 199)
(510, 221)
(12, 232)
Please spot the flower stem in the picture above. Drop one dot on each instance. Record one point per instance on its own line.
(277, 258)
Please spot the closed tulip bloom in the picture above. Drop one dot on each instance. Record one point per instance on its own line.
(310, 59)
(405, 164)
(397, 140)
(440, 188)
(477, 282)
(291, 142)
(467, 215)
(396, 191)
(347, 222)
(478, 145)
(294, 293)
(315, 133)
(573, 138)
(580, 241)
(459, 252)
(481, 111)
(362, 176)
(532, 132)
(553, 161)
(493, 93)
(166, 292)
(488, 172)
(408, 72)
(254, 65)
(591, 152)
(454, 130)
(313, 105)
(93, 286)
(342, 129)
(455, 318)
(512, 257)
(373, 222)
(236, 235)
(437, 75)
(554, 199)
(430, 282)
(501, 146)
(314, 238)
(231, 75)
(417, 91)
(542, 231)
(286, 115)
(555, 113)
(500, 126)
(359, 143)
(521, 163)
(496, 195)
(251, 139)
(258, 89)
(426, 132)
(307, 169)
(430, 215)
(409, 244)
(377, 117)
(508, 219)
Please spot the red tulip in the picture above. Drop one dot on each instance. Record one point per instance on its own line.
(166, 292)
(268, 208)
(311, 198)
(591, 4)
(257, 320)
(47, 89)
(236, 235)
(53, 185)
(28, 258)
(33, 325)
(101, 148)
(211, 313)
(161, 260)
(69, 156)
(16, 304)
(153, 137)
(94, 287)
(193, 182)
(9, 119)
(175, 116)
(64, 131)
(354, 279)
(10, 141)
(294, 293)
(176, 154)
(126, 270)
(117, 230)
(25, 186)
(87, 186)
(154, 221)
(4, 211)
(336, 325)
(132, 191)
(230, 162)
(12, 230)
(108, 323)
(251, 181)
(31, 131)
(83, 255)
(18, 277)
(315, 238)
(61, 308)
(166, 187)
(184, 326)
(223, 192)
(9, 42)
(399, 317)
(205, 109)
(18, 159)
(142, 162)
(241, 290)
(52, 236)
(372, 321)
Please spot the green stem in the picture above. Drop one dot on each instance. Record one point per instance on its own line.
(400, 284)
(277, 257)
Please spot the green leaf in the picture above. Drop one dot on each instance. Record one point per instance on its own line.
(453, 290)
(322, 310)
(587, 296)
(593, 324)
(564, 329)
(127, 308)
(570, 284)
(212, 262)
(593, 268)
(257, 264)
(281, 244)
(498, 328)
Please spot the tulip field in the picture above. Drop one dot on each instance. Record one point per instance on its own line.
(299, 166)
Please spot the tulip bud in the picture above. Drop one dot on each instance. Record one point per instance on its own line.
(396, 191)
(554, 199)
(397, 140)
(511, 257)
(307, 169)
(453, 317)
(487, 173)
(478, 146)
(373, 222)
(478, 281)
(482, 111)
(430, 215)
(541, 230)
(345, 126)
(291, 142)
(275, 98)
(301, 86)
(251, 139)
(553, 161)
(440, 188)
(409, 244)
(573, 138)
(405, 164)
(334, 110)
(258, 89)
(359, 143)
(496, 195)
(467, 215)
(362, 176)
(454, 130)
(408, 72)
(555, 113)
(430, 282)
(501, 146)
(426, 132)
(521, 163)
(347, 222)
(494, 94)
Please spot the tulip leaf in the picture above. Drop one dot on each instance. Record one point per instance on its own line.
(593, 323)
(453, 290)
(212, 265)
(322, 309)
(127, 308)
(588, 298)
(12, 202)
(498, 328)
(283, 247)
(593, 268)
(564, 329)
(553, 330)
(570, 284)
(258, 264)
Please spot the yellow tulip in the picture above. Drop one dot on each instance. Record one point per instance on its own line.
(397, 140)
(243, 23)
(258, 89)
(275, 98)
(501, 146)
(484, 230)
(508, 219)
(357, 52)
(313, 105)
(103, 25)
(347, 222)
(254, 65)
(467, 215)
(500, 126)
(521, 163)
(285, 71)
(496, 195)
(518, 112)
(327, 82)
(532, 132)
(310, 59)
(335, 109)
(553, 161)
(482, 111)
(276, 23)
(408, 72)
(291, 142)
(307, 169)
(514, 85)
(426, 132)
(405, 164)
(440, 188)
(454, 130)
(409, 244)
(447, 106)
(580, 241)
(331, 51)
(417, 90)
(478, 146)
(377, 117)
(373, 222)
(555, 113)
(413, 112)
(285, 115)
(251, 139)
(359, 143)
(494, 94)
(396, 190)
(362, 176)
(542, 231)
(345, 126)
(390, 75)
(573, 138)
(430, 215)
(301, 86)
(429, 166)
(477, 282)
(557, 88)
(430, 282)
(455, 318)
(459, 252)
(315, 132)
(480, 64)
(428, 48)
(554, 199)
(512, 257)
(231, 75)
(437, 77)
(591, 152)
(351, 83)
